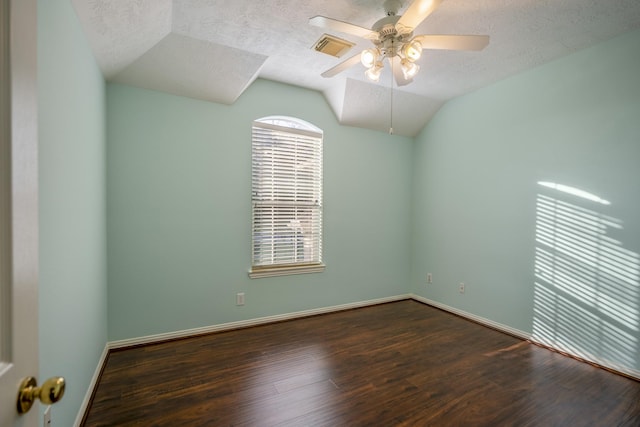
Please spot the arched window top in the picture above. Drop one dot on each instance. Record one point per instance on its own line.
(290, 122)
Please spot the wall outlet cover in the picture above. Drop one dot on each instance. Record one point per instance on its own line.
(240, 298)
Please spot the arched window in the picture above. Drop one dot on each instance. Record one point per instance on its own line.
(286, 189)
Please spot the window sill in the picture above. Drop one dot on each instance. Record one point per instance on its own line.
(258, 273)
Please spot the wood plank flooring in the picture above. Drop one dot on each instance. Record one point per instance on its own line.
(396, 364)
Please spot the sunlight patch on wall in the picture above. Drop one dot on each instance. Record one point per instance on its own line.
(574, 191)
(587, 288)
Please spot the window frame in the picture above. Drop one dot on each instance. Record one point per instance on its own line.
(292, 128)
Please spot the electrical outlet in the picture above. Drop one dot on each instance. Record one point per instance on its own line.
(429, 278)
(46, 422)
(240, 298)
(461, 288)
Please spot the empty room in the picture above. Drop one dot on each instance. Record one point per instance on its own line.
(327, 213)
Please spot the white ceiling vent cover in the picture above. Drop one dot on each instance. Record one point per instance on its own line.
(333, 46)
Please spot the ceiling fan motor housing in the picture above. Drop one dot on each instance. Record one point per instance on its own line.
(389, 40)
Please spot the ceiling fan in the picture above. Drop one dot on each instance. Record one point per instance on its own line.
(393, 39)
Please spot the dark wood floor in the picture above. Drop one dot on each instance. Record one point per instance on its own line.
(401, 363)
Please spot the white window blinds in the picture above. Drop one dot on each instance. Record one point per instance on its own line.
(286, 195)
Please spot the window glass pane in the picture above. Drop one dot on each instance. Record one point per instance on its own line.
(286, 192)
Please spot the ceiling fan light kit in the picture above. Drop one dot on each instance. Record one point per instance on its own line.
(409, 69)
(369, 57)
(373, 72)
(412, 50)
(394, 40)
(409, 52)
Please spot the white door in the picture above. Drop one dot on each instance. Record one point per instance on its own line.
(18, 207)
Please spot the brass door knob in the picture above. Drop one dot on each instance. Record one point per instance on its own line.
(50, 392)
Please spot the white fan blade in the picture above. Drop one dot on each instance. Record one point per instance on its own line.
(415, 14)
(398, 74)
(452, 42)
(350, 62)
(343, 27)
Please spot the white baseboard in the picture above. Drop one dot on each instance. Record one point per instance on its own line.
(632, 373)
(483, 321)
(84, 406)
(249, 322)
(589, 357)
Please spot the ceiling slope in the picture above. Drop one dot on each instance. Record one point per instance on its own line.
(214, 49)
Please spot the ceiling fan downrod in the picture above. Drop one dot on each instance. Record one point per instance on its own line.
(391, 7)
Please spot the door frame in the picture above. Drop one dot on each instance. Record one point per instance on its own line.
(19, 204)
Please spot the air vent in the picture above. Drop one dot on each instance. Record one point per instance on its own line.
(333, 45)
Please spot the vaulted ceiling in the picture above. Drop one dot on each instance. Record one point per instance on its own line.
(214, 49)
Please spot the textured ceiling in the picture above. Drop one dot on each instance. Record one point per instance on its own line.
(214, 49)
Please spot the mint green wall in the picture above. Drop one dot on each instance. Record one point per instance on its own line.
(576, 122)
(460, 202)
(179, 211)
(72, 291)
